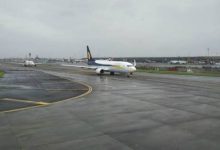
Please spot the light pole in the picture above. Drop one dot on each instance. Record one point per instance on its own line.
(208, 61)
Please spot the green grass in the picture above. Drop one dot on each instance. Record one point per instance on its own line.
(1, 74)
(210, 74)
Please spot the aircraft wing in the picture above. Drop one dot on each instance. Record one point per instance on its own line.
(19, 63)
(87, 67)
(80, 66)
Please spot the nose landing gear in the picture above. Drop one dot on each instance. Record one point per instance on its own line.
(129, 74)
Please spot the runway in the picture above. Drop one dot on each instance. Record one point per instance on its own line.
(144, 112)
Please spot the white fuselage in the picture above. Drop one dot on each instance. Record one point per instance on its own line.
(114, 66)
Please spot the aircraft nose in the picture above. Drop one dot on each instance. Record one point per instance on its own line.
(133, 69)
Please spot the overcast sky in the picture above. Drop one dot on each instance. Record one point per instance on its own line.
(114, 28)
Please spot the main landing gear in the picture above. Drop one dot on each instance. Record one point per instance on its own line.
(112, 73)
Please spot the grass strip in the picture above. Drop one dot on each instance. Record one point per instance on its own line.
(207, 73)
(1, 73)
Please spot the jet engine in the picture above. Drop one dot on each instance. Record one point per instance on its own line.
(99, 71)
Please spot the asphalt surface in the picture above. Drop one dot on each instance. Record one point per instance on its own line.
(25, 87)
(144, 112)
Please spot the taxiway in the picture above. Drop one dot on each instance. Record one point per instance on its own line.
(146, 111)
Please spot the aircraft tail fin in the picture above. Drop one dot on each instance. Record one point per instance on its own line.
(89, 55)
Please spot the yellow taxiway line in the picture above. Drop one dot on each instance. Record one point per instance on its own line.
(20, 109)
(40, 103)
(25, 101)
(79, 96)
(66, 89)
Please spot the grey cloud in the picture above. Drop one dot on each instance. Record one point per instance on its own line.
(56, 28)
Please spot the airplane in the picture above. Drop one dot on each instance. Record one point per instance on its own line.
(26, 63)
(102, 66)
(29, 63)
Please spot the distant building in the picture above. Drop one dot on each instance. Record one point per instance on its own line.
(178, 62)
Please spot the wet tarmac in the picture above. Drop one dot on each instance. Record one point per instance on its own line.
(144, 112)
(22, 88)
